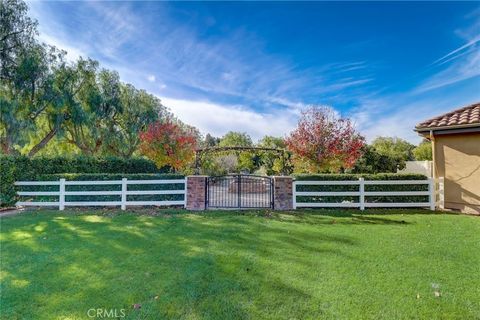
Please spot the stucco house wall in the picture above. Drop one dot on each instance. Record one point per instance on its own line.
(457, 158)
(455, 138)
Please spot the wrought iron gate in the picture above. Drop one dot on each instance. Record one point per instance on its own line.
(239, 191)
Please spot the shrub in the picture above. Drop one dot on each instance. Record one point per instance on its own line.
(7, 178)
(94, 165)
(11, 170)
(340, 188)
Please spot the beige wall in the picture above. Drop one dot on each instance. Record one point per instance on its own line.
(420, 167)
(457, 158)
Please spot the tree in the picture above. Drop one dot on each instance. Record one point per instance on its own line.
(111, 115)
(167, 144)
(17, 34)
(323, 141)
(49, 105)
(71, 83)
(31, 98)
(396, 148)
(139, 109)
(244, 158)
(22, 62)
(235, 139)
(423, 151)
(210, 141)
(274, 162)
(373, 162)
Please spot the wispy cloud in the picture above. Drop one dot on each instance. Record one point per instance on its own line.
(236, 82)
(345, 83)
(236, 67)
(218, 119)
(465, 68)
(458, 51)
(460, 64)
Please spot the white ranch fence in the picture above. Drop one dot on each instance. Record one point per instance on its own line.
(123, 193)
(434, 194)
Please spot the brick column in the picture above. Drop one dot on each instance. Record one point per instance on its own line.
(282, 193)
(196, 192)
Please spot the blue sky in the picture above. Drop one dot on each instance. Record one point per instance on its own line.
(253, 66)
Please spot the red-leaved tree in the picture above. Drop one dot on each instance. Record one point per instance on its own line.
(323, 141)
(167, 144)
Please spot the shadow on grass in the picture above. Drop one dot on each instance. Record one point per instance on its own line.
(59, 265)
(322, 217)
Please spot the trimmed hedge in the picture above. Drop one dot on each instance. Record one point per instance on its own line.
(352, 176)
(106, 177)
(379, 176)
(23, 168)
(82, 164)
(13, 169)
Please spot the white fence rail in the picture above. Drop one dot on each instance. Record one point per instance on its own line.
(123, 193)
(434, 194)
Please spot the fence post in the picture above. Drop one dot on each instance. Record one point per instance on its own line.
(294, 194)
(431, 191)
(186, 191)
(124, 194)
(61, 195)
(362, 193)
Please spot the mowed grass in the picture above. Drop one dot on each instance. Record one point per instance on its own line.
(311, 264)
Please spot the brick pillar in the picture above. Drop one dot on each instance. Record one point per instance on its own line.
(282, 193)
(196, 192)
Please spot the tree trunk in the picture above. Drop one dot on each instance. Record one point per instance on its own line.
(6, 143)
(43, 143)
(5, 146)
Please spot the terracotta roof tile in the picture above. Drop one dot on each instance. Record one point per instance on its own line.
(469, 115)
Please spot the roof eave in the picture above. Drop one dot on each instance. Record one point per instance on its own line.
(462, 126)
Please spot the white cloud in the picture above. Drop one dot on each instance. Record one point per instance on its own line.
(393, 125)
(151, 78)
(294, 106)
(218, 119)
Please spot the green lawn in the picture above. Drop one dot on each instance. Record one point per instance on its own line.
(314, 264)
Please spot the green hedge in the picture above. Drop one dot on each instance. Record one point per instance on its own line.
(23, 168)
(351, 176)
(13, 169)
(52, 165)
(106, 177)
(380, 176)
